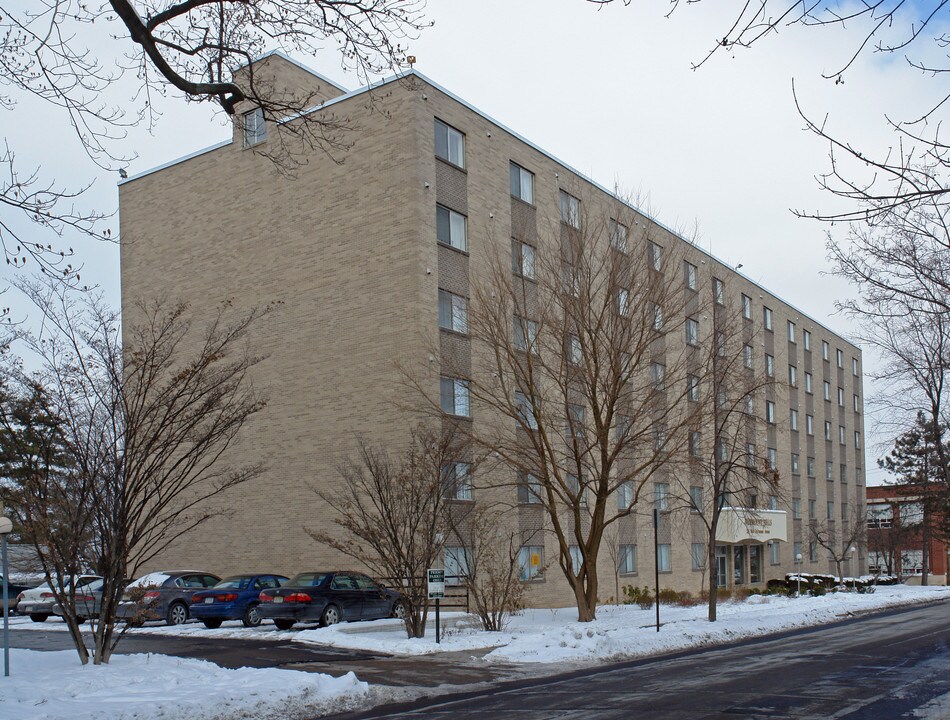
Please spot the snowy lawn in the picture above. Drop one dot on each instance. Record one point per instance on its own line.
(53, 685)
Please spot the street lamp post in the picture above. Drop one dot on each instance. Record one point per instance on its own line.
(5, 527)
(798, 561)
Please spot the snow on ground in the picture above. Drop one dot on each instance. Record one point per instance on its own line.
(553, 636)
(54, 686)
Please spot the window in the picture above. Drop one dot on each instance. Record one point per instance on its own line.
(255, 130)
(692, 331)
(827, 390)
(796, 508)
(748, 404)
(454, 396)
(656, 255)
(829, 467)
(841, 434)
(627, 560)
(526, 335)
(689, 271)
(793, 419)
(810, 463)
(624, 495)
(529, 488)
(722, 450)
(574, 429)
(857, 439)
(824, 350)
(857, 404)
(661, 496)
(812, 509)
(808, 383)
(810, 424)
(522, 259)
(623, 301)
(457, 481)
(746, 307)
(531, 561)
(843, 473)
(806, 339)
(767, 318)
(575, 353)
(657, 373)
(449, 144)
(657, 318)
(813, 551)
(718, 291)
(455, 560)
(792, 376)
(771, 458)
(769, 365)
(525, 411)
(695, 443)
(774, 556)
(571, 281)
(697, 553)
(797, 551)
(747, 355)
(791, 331)
(880, 515)
(576, 558)
(453, 312)
(522, 183)
(450, 228)
(773, 502)
(692, 388)
(795, 469)
(839, 359)
(623, 426)
(659, 438)
(857, 476)
(854, 366)
(840, 397)
(618, 235)
(570, 210)
(663, 563)
(696, 498)
(830, 514)
(827, 431)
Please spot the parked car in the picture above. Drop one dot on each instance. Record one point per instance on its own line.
(88, 601)
(14, 591)
(167, 596)
(234, 598)
(38, 602)
(329, 598)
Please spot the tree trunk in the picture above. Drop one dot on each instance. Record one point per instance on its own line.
(925, 559)
(585, 594)
(712, 588)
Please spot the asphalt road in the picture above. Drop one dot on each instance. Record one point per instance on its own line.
(882, 667)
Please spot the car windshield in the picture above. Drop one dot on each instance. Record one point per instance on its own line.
(150, 580)
(240, 582)
(307, 580)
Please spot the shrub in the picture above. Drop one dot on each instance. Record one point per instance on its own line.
(669, 596)
(818, 591)
(639, 596)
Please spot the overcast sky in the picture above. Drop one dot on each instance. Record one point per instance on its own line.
(612, 93)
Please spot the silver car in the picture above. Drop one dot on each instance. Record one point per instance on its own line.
(38, 603)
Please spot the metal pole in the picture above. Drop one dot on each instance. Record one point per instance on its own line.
(656, 563)
(437, 633)
(6, 608)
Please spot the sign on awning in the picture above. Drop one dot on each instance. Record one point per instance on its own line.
(741, 524)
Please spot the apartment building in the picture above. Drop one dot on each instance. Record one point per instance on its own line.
(375, 260)
(898, 543)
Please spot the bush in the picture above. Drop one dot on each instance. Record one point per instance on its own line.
(669, 597)
(639, 596)
(818, 591)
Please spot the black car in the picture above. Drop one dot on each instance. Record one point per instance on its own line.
(329, 598)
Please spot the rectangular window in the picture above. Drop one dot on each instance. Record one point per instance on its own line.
(718, 291)
(857, 439)
(454, 396)
(623, 301)
(857, 404)
(453, 312)
(570, 210)
(827, 390)
(661, 496)
(575, 354)
(655, 256)
(824, 350)
(828, 470)
(449, 144)
(830, 510)
(797, 550)
(457, 481)
(769, 365)
(526, 335)
(841, 434)
(692, 331)
(522, 183)
(813, 551)
(812, 510)
(255, 129)
(793, 419)
(663, 562)
(791, 331)
(657, 318)
(659, 438)
(689, 271)
(522, 259)
(771, 457)
(792, 376)
(827, 431)
(839, 359)
(808, 383)
(774, 553)
(747, 355)
(810, 467)
(450, 228)
(854, 366)
(692, 388)
(795, 470)
(529, 488)
(623, 426)
(806, 339)
(574, 429)
(618, 235)
(767, 318)
(525, 411)
(456, 560)
(857, 476)
(696, 498)
(796, 509)
(657, 375)
(810, 424)
(746, 307)
(627, 560)
(531, 562)
(840, 397)
(843, 473)
(624, 495)
(697, 553)
(695, 443)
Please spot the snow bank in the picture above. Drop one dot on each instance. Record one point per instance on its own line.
(54, 686)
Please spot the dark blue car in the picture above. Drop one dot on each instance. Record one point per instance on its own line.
(234, 598)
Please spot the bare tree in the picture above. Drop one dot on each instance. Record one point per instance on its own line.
(394, 512)
(146, 425)
(840, 538)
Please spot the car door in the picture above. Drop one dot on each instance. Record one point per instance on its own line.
(375, 601)
(346, 595)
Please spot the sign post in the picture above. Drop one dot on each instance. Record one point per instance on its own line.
(656, 564)
(435, 578)
(5, 527)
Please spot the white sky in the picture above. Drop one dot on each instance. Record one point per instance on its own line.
(612, 93)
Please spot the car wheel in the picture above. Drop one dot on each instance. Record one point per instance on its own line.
(283, 623)
(212, 623)
(177, 614)
(39, 617)
(330, 616)
(399, 610)
(251, 618)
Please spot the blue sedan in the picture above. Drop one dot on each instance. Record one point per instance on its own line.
(234, 598)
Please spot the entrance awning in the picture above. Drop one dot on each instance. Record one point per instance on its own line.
(740, 524)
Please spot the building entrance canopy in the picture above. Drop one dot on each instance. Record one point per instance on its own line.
(740, 524)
